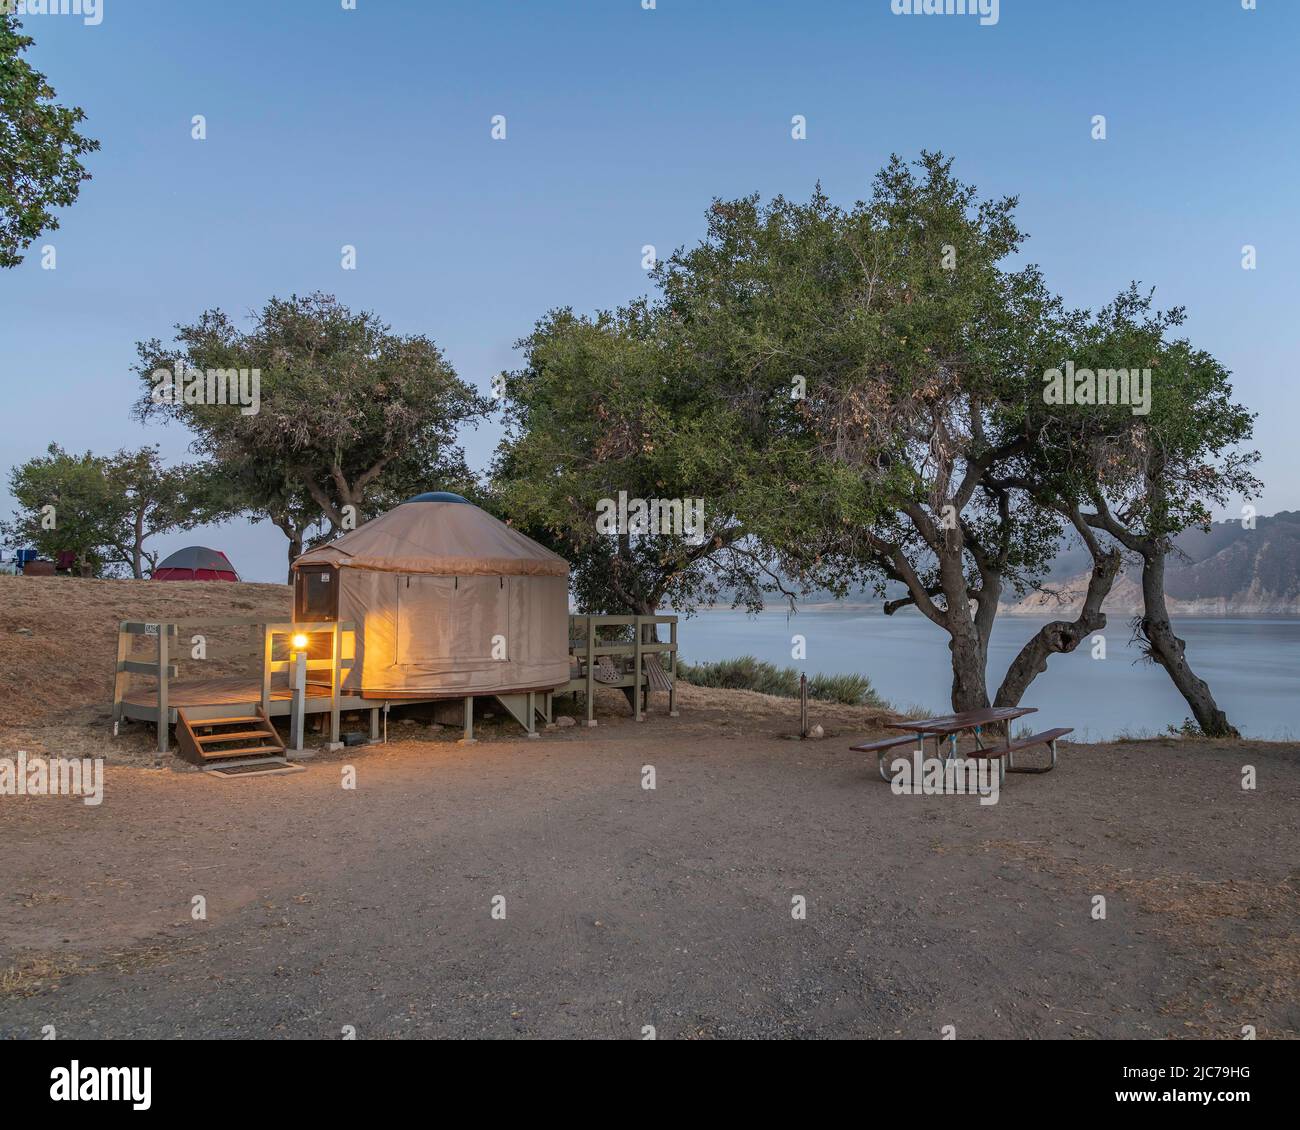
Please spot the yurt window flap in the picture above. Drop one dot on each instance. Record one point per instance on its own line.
(450, 618)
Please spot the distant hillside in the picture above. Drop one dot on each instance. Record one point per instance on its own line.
(1225, 571)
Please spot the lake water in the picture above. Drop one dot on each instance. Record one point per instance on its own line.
(1251, 664)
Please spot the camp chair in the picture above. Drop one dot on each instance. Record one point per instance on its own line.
(607, 671)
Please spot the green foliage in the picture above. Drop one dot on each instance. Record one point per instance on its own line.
(1189, 729)
(921, 452)
(854, 690)
(745, 674)
(750, 674)
(906, 365)
(40, 147)
(85, 512)
(105, 508)
(1157, 473)
(351, 414)
(604, 405)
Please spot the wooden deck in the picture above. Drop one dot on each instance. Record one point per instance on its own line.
(638, 662)
(218, 692)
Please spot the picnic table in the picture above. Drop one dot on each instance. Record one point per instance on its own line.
(950, 726)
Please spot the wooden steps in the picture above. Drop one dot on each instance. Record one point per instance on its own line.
(238, 738)
(238, 735)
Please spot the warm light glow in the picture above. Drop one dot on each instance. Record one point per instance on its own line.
(299, 642)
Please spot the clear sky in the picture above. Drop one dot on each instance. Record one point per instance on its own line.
(372, 127)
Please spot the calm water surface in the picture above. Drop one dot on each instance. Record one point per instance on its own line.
(1251, 664)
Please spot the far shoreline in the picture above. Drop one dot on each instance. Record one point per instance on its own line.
(1065, 611)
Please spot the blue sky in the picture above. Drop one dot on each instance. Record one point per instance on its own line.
(372, 128)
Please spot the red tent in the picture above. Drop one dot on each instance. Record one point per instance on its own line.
(196, 563)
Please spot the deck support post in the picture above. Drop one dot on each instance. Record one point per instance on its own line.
(591, 670)
(163, 711)
(120, 677)
(532, 714)
(468, 737)
(268, 639)
(336, 679)
(374, 723)
(638, 697)
(672, 691)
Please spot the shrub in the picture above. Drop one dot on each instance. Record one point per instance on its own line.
(749, 674)
(855, 690)
(743, 674)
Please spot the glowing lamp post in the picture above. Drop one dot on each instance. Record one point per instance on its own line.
(297, 684)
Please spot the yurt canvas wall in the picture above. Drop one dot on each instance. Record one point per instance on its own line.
(447, 600)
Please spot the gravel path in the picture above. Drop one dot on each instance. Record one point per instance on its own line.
(372, 908)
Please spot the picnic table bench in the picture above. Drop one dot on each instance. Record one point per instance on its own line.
(949, 726)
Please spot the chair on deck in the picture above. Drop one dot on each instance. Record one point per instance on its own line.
(656, 677)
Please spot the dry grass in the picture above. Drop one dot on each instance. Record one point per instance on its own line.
(58, 636)
(1243, 932)
(35, 973)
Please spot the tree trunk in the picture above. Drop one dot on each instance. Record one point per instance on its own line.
(1167, 649)
(295, 551)
(138, 545)
(1060, 636)
(294, 534)
(969, 686)
(969, 650)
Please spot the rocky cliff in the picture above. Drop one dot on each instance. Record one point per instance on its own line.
(1225, 571)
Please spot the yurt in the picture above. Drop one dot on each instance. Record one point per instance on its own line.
(447, 600)
(195, 563)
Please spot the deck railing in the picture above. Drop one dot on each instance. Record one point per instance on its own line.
(161, 667)
(586, 646)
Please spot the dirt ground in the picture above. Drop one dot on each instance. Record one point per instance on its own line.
(371, 908)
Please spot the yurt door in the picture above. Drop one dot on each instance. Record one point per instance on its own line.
(450, 624)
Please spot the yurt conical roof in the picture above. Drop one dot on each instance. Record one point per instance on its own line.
(441, 534)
